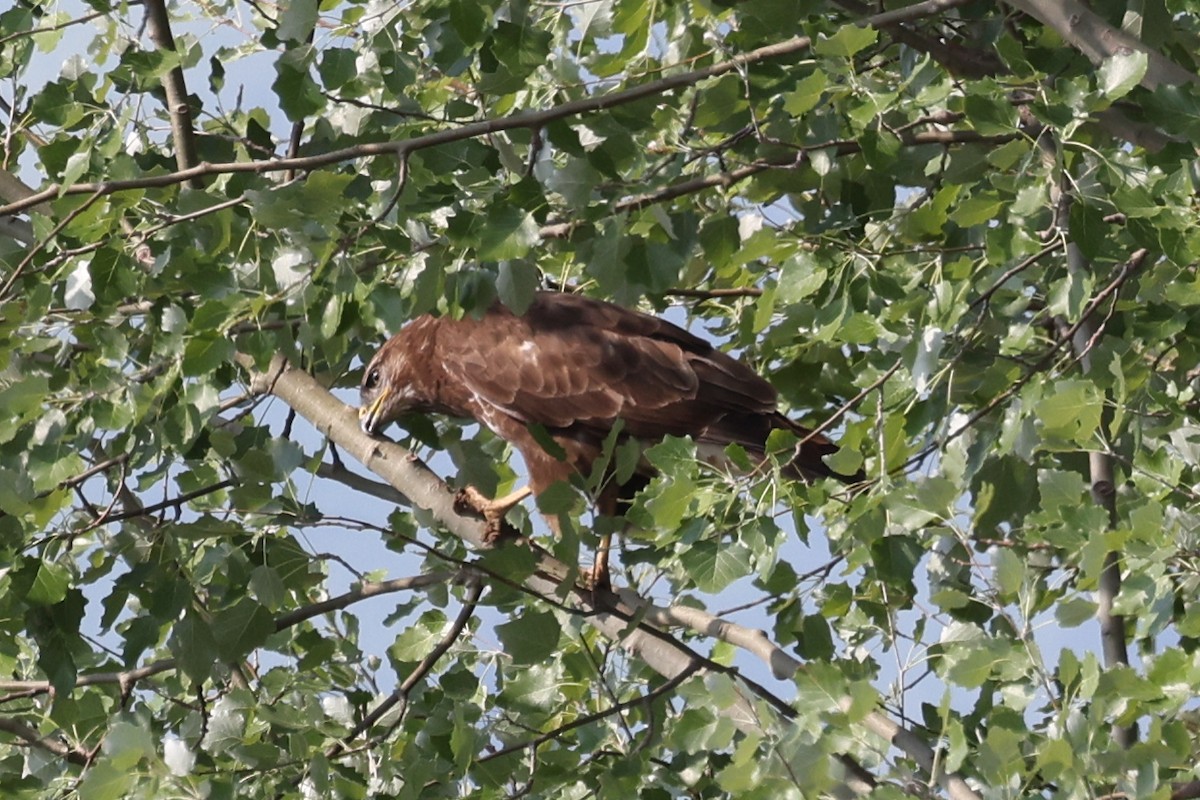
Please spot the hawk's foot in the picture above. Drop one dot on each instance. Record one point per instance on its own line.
(492, 511)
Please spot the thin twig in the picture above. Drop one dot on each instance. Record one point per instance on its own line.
(400, 695)
(643, 700)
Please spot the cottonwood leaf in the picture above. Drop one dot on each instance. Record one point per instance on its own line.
(1121, 72)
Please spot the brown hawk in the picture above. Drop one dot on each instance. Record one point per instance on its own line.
(575, 366)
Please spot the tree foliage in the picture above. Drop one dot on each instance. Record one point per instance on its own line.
(961, 236)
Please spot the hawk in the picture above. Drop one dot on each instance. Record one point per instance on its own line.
(570, 367)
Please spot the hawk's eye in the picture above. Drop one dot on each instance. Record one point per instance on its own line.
(372, 379)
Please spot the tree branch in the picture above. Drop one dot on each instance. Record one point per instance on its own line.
(158, 25)
(785, 667)
(48, 743)
(1132, 265)
(400, 695)
(1088, 33)
(617, 708)
(363, 591)
(126, 679)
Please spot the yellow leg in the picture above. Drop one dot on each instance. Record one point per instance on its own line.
(492, 511)
(600, 577)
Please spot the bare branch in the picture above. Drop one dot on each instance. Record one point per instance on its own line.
(158, 25)
(364, 591)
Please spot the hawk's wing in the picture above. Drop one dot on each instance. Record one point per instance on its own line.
(570, 362)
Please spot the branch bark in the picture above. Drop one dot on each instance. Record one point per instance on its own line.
(1087, 32)
(1113, 633)
(158, 25)
(785, 667)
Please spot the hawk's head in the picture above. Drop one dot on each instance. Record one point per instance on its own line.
(386, 392)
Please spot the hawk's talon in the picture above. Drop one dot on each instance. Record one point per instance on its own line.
(471, 499)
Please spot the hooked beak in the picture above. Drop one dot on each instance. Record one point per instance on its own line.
(369, 415)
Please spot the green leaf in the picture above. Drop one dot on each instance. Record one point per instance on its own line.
(535, 687)
(1059, 489)
(814, 639)
(205, 353)
(1121, 72)
(848, 40)
(299, 95)
(531, 637)
(1072, 411)
(807, 94)
(506, 233)
(418, 639)
(990, 114)
(241, 628)
(719, 238)
(296, 20)
(267, 587)
(77, 164)
(127, 744)
(516, 284)
(720, 100)
(712, 566)
(194, 647)
(338, 67)
(969, 667)
(896, 559)
(1010, 572)
(669, 503)
(105, 781)
(50, 585)
(1072, 612)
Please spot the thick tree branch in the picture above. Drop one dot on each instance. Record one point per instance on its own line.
(1082, 337)
(17, 229)
(967, 62)
(158, 25)
(970, 61)
(1113, 634)
(1088, 33)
